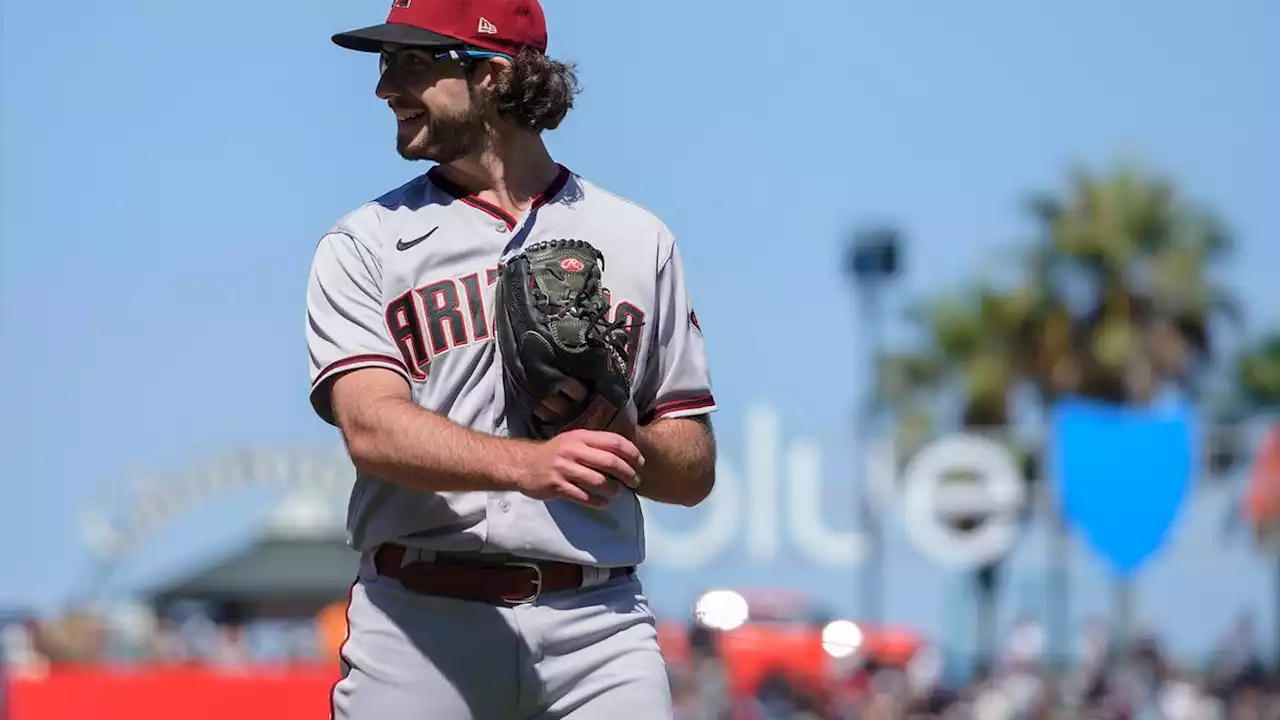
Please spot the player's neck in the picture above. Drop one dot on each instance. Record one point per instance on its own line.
(510, 173)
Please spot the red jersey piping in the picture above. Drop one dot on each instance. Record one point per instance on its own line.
(460, 193)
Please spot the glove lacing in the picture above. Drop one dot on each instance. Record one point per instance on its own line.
(593, 309)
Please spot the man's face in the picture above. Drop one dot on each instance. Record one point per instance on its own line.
(439, 116)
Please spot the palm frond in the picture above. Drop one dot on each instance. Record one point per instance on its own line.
(1258, 371)
(906, 379)
(1116, 298)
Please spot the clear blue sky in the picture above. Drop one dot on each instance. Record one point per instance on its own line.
(168, 167)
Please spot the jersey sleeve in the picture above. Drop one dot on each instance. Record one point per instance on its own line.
(678, 381)
(346, 329)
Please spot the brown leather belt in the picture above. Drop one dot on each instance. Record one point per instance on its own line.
(508, 583)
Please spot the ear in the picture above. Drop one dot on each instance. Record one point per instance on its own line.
(485, 72)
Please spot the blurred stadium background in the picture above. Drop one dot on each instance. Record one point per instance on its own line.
(781, 627)
(1052, 489)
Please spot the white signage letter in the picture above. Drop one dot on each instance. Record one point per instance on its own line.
(711, 537)
(812, 537)
(997, 493)
(763, 535)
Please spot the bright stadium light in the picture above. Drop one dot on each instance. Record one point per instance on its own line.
(841, 638)
(721, 610)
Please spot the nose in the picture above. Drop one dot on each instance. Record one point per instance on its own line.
(387, 88)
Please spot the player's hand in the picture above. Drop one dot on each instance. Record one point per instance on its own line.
(583, 466)
(572, 393)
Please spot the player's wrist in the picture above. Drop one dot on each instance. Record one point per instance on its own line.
(512, 460)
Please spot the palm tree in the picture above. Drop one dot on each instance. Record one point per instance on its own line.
(973, 344)
(1114, 301)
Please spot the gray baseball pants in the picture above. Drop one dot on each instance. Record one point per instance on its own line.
(587, 654)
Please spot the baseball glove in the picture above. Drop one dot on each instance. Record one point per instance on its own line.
(552, 325)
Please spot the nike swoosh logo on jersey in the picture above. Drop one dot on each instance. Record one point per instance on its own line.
(402, 245)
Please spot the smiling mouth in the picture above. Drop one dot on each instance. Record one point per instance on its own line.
(412, 115)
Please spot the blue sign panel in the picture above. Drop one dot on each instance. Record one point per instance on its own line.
(1122, 474)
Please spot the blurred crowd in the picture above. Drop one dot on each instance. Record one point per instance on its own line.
(1136, 681)
(131, 635)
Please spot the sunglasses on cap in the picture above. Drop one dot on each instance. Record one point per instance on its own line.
(411, 59)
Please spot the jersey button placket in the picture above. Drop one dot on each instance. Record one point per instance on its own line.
(499, 518)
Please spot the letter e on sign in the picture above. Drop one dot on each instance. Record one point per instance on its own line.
(995, 495)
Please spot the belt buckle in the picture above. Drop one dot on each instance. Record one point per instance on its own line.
(537, 583)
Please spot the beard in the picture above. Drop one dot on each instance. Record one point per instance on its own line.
(446, 137)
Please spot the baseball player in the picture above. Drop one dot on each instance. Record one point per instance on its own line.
(497, 577)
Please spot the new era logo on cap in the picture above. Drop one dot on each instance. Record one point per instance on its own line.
(401, 3)
(486, 27)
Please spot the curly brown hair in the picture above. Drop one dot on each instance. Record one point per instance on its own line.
(535, 92)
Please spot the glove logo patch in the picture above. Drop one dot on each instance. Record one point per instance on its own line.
(571, 264)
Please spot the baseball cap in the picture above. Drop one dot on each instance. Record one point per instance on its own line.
(501, 26)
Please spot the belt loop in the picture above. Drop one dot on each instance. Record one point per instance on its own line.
(592, 575)
(368, 564)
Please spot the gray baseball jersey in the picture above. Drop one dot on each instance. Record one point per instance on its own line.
(406, 283)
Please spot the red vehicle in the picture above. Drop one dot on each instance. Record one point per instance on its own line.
(760, 634)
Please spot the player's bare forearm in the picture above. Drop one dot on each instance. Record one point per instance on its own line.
(680, 460)
(391, 437)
